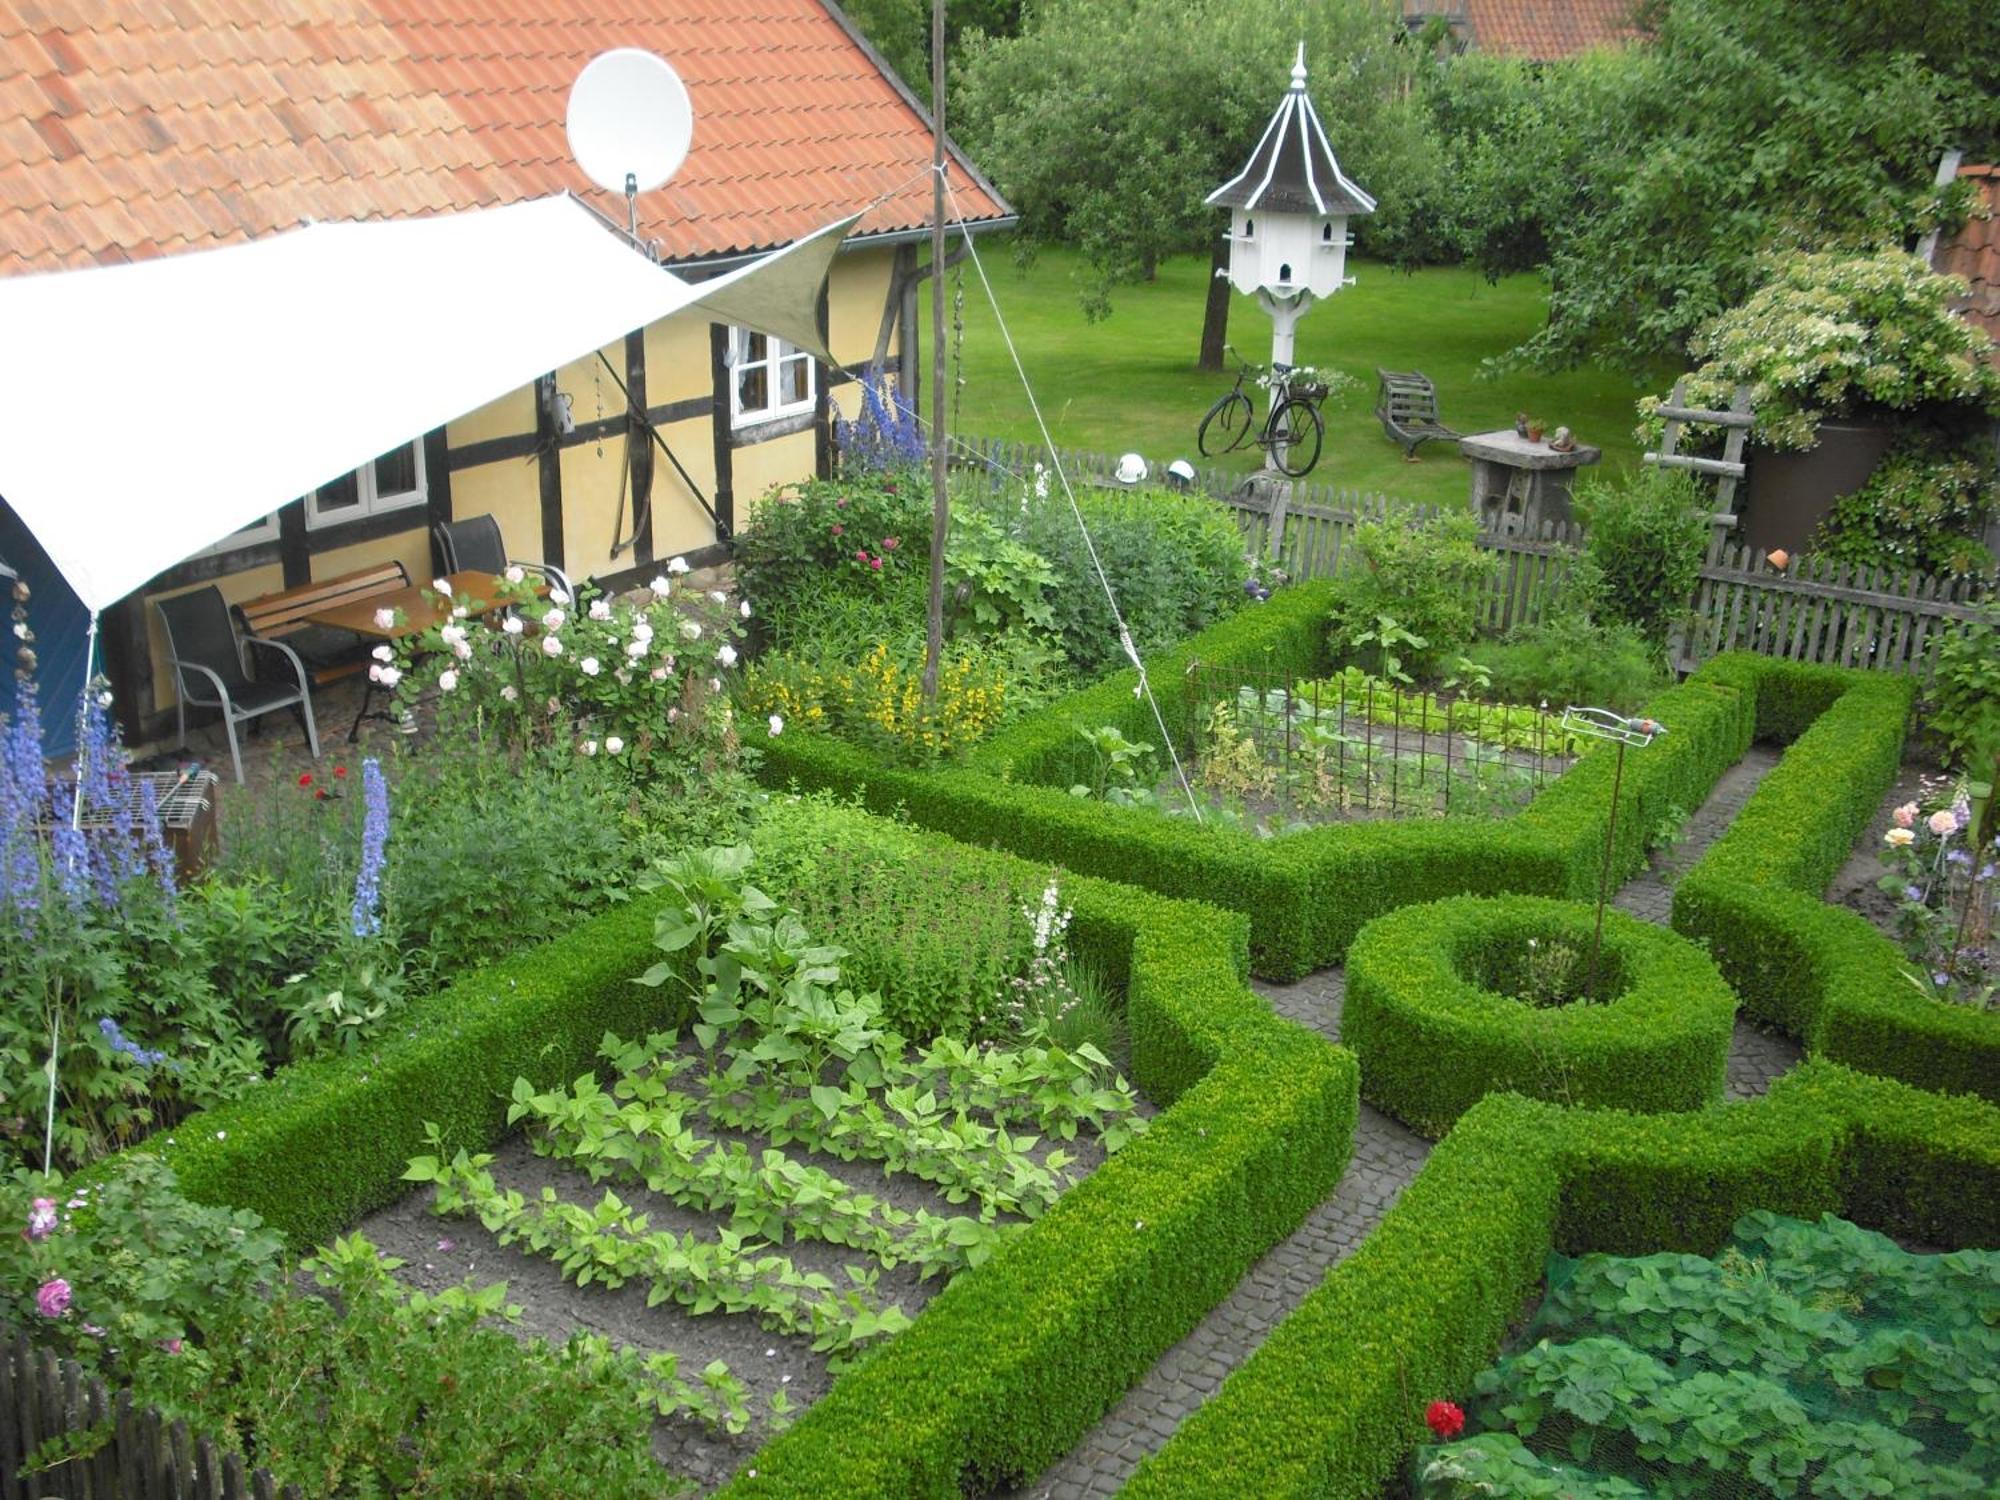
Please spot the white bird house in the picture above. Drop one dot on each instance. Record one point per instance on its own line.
(1289, 206)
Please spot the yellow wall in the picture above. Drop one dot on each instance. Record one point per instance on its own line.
(411, 548)
(510, 491)
(677, 363)
(512, 413)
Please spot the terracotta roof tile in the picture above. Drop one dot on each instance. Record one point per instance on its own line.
(1974, 253)
(188, 122)
(1547, 29)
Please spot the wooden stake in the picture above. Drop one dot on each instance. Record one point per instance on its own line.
(940, 501)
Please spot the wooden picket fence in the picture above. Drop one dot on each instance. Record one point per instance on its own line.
(141, 1456)
(1815, 610)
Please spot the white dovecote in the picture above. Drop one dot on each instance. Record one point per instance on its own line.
(1289, 206)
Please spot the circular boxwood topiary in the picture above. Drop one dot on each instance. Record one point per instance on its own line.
(1453, 1000)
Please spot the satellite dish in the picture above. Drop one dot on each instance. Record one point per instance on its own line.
(629, 120)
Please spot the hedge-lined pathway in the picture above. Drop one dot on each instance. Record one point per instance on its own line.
(1387, 1157)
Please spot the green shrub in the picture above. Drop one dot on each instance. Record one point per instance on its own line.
(1965, 692)
(1175, 562)
(1647, 532)
(1333, 1400)
(1569, 660)
(1427, 574)
(803, 541)
(1453, 1000)
(1923, 508)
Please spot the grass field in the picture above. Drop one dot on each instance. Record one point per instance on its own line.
(1130, 382)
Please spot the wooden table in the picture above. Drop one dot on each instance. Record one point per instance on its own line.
(417, 608)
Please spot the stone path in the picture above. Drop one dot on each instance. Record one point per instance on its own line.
(1387, 1157)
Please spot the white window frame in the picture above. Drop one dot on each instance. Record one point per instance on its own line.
(777, 353)
(265, 530)
(372, 501)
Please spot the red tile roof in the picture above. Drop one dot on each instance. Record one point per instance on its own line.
(150, 126)
(1548, 29)
(1974, 252)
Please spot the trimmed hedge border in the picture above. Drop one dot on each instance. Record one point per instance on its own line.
(1308, 893)
(1009, 1366)
(1012, 1363)
(1819, 972)
(323, 1143)
(1433, 1042)
(1332, 1402)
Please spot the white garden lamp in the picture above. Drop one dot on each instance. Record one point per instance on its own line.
(1288, 213)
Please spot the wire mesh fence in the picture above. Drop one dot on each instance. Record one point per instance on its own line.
(1351, 745)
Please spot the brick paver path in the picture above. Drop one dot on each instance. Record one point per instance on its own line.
(1387, 1157)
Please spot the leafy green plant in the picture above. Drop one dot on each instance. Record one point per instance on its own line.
(1923, 508)
(1426, 576)
(1571, 660)
(1382, 643)
(1646, 533)
(1124, 770)
(1965, 689)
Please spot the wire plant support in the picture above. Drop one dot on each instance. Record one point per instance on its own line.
(1603, 724)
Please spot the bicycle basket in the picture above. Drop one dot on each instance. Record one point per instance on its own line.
(1307, 390)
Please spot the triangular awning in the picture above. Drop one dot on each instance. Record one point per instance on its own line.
(148, 410)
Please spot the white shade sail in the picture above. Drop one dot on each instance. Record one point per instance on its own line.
(149, 410)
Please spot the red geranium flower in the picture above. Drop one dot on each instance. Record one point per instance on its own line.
(305, 778)
(320, 794)
(339, 771)
(1444, 1419)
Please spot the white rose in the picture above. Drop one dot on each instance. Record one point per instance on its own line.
(590, 666)
(600, 609)
(515, 573)
(715, 684)
(447, 680)
(613, 744)
(678, 566)
(384, 652)
(660, 587)
(744, 609)
(390, 676)
(718, 596)
(551, 646)
(673, 716)
(451, 635)
(727, 656)
(510, 692)
(558, 596)
(555, 619)
(442, 585)
(642, 630)
(462, 650)
(691, 629)
(385, 619)
(635, 649)
(460, 612)
(777, 724)
(588, 747)
(659, 674)
(512, 625)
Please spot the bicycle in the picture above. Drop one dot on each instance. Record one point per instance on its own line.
(1293, 432)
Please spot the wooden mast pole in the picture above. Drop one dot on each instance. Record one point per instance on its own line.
(940, 501)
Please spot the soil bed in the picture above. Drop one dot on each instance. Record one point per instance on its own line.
(442, 1251)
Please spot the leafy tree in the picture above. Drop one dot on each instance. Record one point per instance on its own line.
(1107, 122)
(901, 31)
(1649, 180)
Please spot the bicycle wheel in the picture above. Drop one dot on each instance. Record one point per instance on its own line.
(1297, 432)
(1227, 426)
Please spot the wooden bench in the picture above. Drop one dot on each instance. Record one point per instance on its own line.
(1406, 403)
(328, 654)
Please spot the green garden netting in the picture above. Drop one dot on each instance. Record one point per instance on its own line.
(1803, 1360)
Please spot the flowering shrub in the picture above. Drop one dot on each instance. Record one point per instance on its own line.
(885, 436)
(104, 962)
(1923, 507)
(879, 701)
(636, 678)
(1831, 334)
(1947, 898)
(864, 534)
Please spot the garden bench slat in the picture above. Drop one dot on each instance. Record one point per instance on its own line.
(288, 612)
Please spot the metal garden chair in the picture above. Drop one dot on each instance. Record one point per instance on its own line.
(474, 546)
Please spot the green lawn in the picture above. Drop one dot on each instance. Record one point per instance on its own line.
(1130, 382)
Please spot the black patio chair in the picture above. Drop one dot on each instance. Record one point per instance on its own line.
(207, 658)
(474, 546)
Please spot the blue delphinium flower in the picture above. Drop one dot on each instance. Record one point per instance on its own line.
(22, 787)
(126, 1047)
(158, 855)
(885, 434)
(367, 916)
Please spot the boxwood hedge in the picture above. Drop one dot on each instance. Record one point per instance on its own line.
(1434, 1038)
(1011, 1364)
(1333, 1400)
(1822, 973)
